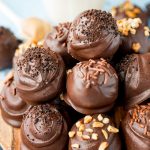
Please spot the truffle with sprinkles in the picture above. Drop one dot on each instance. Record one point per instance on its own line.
(136, 128)
(92, 87)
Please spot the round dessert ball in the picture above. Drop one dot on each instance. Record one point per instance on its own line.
(57, 42)
(96, 132)
(129, 10)
(135, 76)
(135, 36)
(39, 75)
(92, 87)
(8, 45)
(44, 128)
(13, 108)
(93, 34)
(136, 128)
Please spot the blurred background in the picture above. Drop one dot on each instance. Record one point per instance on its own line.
(12, 12)
(53, 11)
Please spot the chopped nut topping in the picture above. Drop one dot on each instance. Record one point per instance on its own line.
(69, 71)
(106, 120)
(126, 26)
(86, 137)
(146, 31)
(87, 119)
(94, 136)
(112, 129)
(103, 146)
(100, 117)
(89, 130)
(97, 125)
(78, 124)
(105, 134)
(75, 146)
(136, 47)
(79, 133)
(72, 134)
(82, 127)
(62, 96)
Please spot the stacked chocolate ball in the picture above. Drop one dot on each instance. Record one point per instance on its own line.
(79, 73)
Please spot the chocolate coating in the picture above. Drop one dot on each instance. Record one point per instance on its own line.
(135, 76)
(92, 87)
(95, 135)
(136, 38)
(129, 10)
(8, 45)
(39, 75)
(57, 42)
(93, 34)
(12, 106)
(136, 128)
(44, 128)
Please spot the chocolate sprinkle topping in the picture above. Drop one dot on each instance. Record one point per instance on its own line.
(93, 23)
(38, 60)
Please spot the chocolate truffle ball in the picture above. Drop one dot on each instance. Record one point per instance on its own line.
(129, 10)
(136, 128)
(44, 128)
(92, 87)
(95, 132)
(12, 106)
(135, 75)
(57, 42)
(93, 34)
(39, 75)
(135, 36)
(8, 45)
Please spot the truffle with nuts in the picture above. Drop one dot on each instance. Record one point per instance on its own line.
(129, 10)
(94, 132)
(135, 36)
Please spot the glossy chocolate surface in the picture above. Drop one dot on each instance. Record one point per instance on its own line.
(57, 42)
(39, 75)
(135, 36)
(44, 128)
(136, 128)
(12, 106)
(96, 132)
(135, 73)
(92, 87)
(93, 34)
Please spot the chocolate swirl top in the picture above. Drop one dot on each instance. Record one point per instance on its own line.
(57, 41)
(44, 128)
(12, 106)
(39, 72)
(96, 132)
(93, 34)
(136, 127)
(134, 71)
(92, 87)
